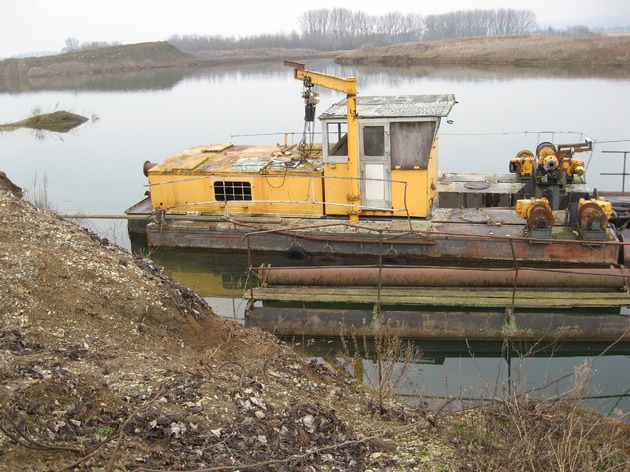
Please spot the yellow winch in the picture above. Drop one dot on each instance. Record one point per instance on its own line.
(523, 163)
(593, 214)
(537, 212)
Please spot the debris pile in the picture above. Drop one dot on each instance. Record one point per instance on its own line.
(107, 363)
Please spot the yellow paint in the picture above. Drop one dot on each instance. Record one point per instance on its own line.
(524, 206)
(278, 180)
(604, 205)
(523, 163)
(573, 166)
(337, 189)
(189, 181)
(194, 181)
(348, 86)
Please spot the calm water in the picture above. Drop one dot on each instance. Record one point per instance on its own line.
(97, 169)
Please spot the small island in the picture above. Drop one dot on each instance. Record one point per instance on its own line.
(59, 121)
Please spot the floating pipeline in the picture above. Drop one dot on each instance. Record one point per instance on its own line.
(540, 278)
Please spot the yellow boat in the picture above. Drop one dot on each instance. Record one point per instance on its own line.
(533, 240)
(372, 188)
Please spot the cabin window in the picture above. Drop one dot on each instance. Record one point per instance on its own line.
(374, 140)
(337, 139)
(411, 143)
(232, 191)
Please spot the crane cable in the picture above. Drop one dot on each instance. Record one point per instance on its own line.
(311, 99)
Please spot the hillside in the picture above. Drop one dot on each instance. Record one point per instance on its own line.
(132, 57)
(110, 59)
(107, 364)
(611, 52)
(540, 51)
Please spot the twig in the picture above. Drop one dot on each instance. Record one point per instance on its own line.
(23, 439)
(112, 462)
(290, 458)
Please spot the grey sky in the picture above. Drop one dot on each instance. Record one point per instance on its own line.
(43, 25)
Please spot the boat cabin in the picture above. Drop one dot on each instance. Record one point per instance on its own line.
(397, 149)
(396, 171)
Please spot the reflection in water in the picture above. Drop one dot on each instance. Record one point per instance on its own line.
(144, 80)
(108, 82)
(465, 373)
(393, 76)
(462, 370)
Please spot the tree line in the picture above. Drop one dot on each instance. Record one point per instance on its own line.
(340, 28)
(459, 24)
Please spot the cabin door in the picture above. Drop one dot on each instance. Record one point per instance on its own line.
(374, 158)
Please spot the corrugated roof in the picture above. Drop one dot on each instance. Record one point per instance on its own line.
(395, 106)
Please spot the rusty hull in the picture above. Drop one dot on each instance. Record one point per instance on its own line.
(421, 325)
(434, 242)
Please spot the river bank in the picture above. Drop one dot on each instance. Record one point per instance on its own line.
(138, 57)
(107, 363)
(564, 52)
(541, 51)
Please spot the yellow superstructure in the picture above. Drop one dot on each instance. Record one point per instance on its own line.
(378, 157)
(251, 180)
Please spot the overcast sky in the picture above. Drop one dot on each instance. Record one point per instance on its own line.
(44, 25)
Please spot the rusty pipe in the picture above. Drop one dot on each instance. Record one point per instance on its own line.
(601, 278)
(147, 166)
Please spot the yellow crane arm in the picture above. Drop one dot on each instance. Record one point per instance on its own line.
(347, 85)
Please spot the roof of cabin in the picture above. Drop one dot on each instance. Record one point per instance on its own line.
(395, 106)
(228, 158)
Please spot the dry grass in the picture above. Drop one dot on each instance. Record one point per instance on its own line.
(522, 433)
(391, 356)
(514, 430)
(515, 50)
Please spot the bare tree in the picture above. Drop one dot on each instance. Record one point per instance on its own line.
(362, 24)
(72, 44)
(525, 22)
(340, 23)
(315, 22)
(479, 23)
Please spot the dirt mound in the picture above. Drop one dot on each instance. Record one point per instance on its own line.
(128, 57)
(107, 363)
(6, 184)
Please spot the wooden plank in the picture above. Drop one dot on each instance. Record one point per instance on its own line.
(342, 292)
(460, 298)
(441, 292)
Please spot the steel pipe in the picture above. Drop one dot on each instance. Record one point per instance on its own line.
(601, 278)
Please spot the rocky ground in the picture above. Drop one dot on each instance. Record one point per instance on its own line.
(107, 364)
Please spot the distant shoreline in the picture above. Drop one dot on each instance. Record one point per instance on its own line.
(563, 52)
(532, 51)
